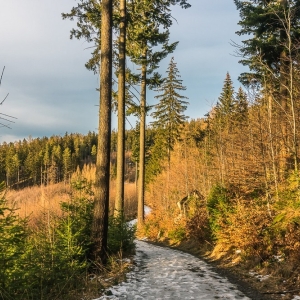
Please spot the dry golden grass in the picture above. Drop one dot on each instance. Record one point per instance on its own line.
(34, 201)
(130, 199)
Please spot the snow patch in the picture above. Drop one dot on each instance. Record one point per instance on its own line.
(147, 211)
(162, 273)
(259, 277)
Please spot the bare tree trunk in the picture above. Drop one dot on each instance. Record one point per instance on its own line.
(270, 133)
(141, 185)
(283, 100)
(119, 202)
(100, 221)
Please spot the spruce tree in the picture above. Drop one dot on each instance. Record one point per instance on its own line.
(267, 23)
(169, 112)
(226, 102)
(241, 106)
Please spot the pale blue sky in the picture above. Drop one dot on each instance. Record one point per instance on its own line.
(51, 92)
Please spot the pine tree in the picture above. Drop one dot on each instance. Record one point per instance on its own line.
(241, 106)
(169, 112)
(226, 102)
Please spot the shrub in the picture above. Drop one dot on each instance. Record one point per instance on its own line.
(198, 225)
(121, 235)
(46, 262)
(218, 205)
(177, 234)
(13, 232)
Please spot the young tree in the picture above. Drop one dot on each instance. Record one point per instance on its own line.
(67, 163)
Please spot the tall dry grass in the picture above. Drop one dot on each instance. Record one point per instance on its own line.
(33, 202)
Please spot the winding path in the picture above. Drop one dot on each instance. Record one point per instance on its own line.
(163, 273)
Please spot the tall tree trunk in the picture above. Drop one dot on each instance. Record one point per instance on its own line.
(119, 201)
(284, 66)
(100, 220)
(141, 185)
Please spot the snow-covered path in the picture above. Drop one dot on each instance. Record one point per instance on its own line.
(163, 273)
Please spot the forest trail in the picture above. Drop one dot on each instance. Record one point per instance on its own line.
(164, 273)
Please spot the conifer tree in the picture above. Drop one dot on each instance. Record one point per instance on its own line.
(67, 163)
(241, 106)
(226, 102)
(169, 112)
(119, 201)
(267, 23)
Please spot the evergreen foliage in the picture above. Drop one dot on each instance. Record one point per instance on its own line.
(168, 121)
(169, 112)
(50, 259)
(241, 107)
(13, 233)
(218, 205)
(121, 235)
(42, 161)
(266, 24)
(226, 103)
(46, 261)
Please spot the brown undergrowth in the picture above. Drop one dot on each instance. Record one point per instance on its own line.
(245, 232)
(249, 246)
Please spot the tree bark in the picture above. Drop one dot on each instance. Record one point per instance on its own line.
(100, 220)
(141, 185)
(119, 201)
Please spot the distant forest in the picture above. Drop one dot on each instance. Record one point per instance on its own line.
(50, 160)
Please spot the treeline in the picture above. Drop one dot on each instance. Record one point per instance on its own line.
(48, 160)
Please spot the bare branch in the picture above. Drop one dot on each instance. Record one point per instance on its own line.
(3, 125)
(2, 75)
(4, 99)
(8, 116)
(7, 120)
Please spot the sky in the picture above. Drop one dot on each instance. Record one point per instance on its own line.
(50, 90)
